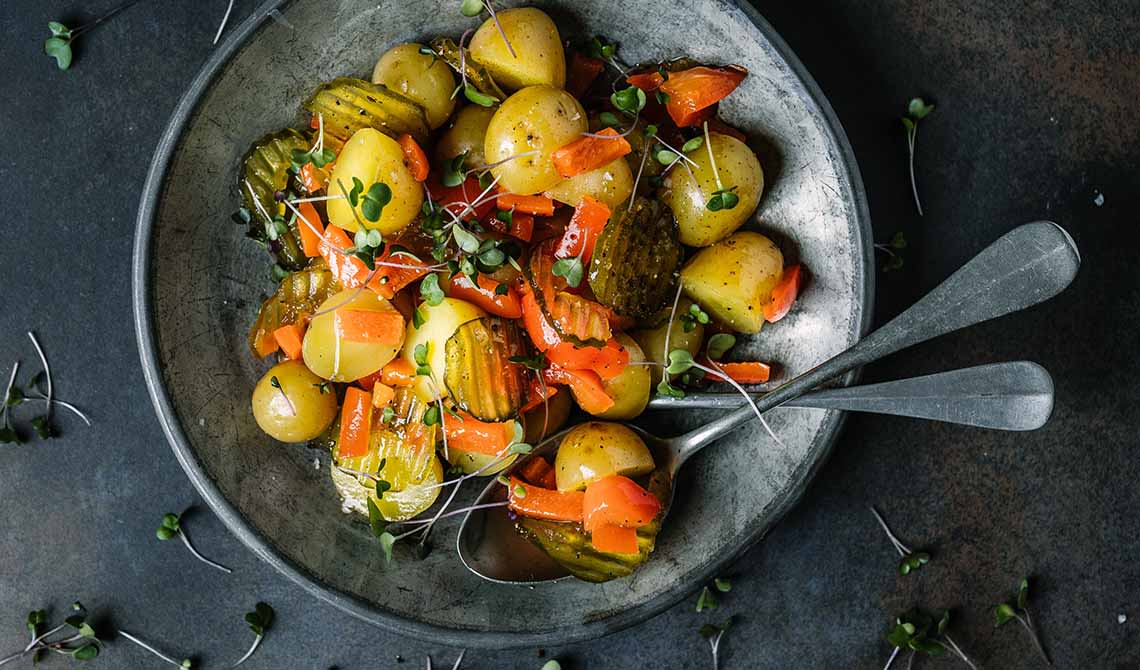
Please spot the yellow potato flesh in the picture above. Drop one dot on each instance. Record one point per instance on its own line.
(630, 389)
(652, 340)
(537, 119)
(592, 451)
(538, 55)
(733, 279)
(329, 355)
(439, 322)
(297, 411)
(738, 166)
(371, 156)
(426, 80)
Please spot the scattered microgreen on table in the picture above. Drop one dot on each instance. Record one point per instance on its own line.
(259, 621)
(185, 663)
(170, 526)
(40, 389)
(75, 637)
(916, 110)
(714, 634)
(58, 46)
(1019, 610)
(919, 632)
(894, 260)
(910, 560)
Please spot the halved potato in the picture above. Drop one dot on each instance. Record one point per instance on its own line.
(423, 79)
(293, 410)
(733, 279)
(594, 450)
(538, 56)
(537, 119)
(440, 322)
(738, 167)
(373, 157)
(610, 184)
(330, 356)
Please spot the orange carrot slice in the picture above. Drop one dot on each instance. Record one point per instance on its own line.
(586, 385)
(589, 220)
(289, 338)
(540, 503)
(369, 326)
(589, 153)
(481, 437)
(311, 227)
(382, 395)
(748, 372)
(620, 501)
(614, 539)
(530, 204)
(399, 372)
(414, 157)
(784, 295)
(691, 91)
(355, 423)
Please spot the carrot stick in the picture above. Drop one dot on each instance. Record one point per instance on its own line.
(414, 157)
(289, 338)
(618, 500)
(589, 153)
(614, 539)
(481, 437)
(382, 395)
(310, 235)
(369, 326)
(539, 205)
(398, 373)
(534, 470)
(749, 372)
(539, 503)
(784, 295)
(312, 178)
(355, 423)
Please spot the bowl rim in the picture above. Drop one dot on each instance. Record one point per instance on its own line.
(357, 607)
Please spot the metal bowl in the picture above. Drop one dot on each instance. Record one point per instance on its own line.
(198, 283)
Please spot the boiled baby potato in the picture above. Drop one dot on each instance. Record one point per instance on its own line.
(630, 389)
(537, 118)
(371, 156)
(423, 79)
(610, 184)
(470, 462)
(538, 57)
(652, 340)
(534, 420)
(294, 410)
(594, 450)
(689, 199)
(410, 467)
(733, 279)
(330, 356)
(439, 323)
(467, 133)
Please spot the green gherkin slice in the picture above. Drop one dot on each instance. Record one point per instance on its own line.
(634, 265)
(299, 293)
(479, 374)
(264, 171)
(477, 75)
(348, 105)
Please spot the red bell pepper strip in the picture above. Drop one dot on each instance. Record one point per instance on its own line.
(540, 503)
(586, 386)
(614, 539)
(484, 293)
(691, 91)
(618, 501)
(582, 72)
(589, 153)
(748, 372)
(589, 220)
(481, 437)
(414, 157)
(784, 294)
(355, 423)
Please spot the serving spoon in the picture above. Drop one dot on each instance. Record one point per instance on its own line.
(1026, 266)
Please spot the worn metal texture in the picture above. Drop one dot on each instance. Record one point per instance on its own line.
(1036, 118)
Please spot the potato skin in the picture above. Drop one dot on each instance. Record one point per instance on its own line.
(688, 199)
(652, 340)
(591, 451)
(422, 79)
(467, 133)
(345, 361)
(537, 118)
(733, 279)
(610, 184)
(303, 415)
(537, 44)
(630, 389)
(371, 156)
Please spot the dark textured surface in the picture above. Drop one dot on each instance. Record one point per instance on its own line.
(1036, 116)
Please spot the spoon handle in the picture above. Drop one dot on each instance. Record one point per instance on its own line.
(1003, 396)
(1027, 265)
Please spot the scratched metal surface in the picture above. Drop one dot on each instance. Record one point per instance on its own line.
(1036, 118)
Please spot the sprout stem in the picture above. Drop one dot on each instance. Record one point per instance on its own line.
(899, 546)
(454, 512)
(152, 650)
(200, 557)
(225, 20)
(47, 374)
(717, 370)
(712, 159)
(252, 648)
(891, 660)
(499, 25)
(911, 140)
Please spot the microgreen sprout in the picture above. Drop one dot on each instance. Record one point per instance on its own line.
(681, 361)
(570, 269)
(707, 599)
(722, 198)
(40, 388)
(430, 290)
(185, 663)
(58, 46)
(259, 620)
(910, 560)
(80, 643)
(718, 345)
(551, 665)
(630, 100)
(1019, 610)
(665, 388)
(694, 317)
(171, 526)
(225, 20)
(714, 634)
(916, 110)
(922, 633)
(894, 260)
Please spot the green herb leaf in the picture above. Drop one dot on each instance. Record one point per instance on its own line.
(478, 97)
(86, 652)
(608, 120)
(467, 242)
(59, 30)
(60, 50)
(722, 585)
(453, 174)
(42, 426)
(471, 7)
(1003, 614)
(417, 318)
(354, 194)
(680, 360)
(502, 289)
(374, 201)
(630, 100)
(387, 541)
(8, 435)
(693, 144)
(519, 491)
(1023, 593)
(535, 362)
(570, 269)
(667, 390)
(898, 241)
(552, 665)
(908, 124)
(706, 600)
(430, 290)
(520, 448)
(719, 344)
(431, 416)
(943, 622)
(918, 109)
(893, 263)
(665, 156)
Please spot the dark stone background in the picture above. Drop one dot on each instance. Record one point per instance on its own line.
(1037, 114)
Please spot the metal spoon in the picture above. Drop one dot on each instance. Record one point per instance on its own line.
(1028, 265)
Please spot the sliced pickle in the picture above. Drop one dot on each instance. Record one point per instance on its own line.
(477, 75)
(634, 266)
(265, 170)
(349, 104)
(298, 294)
(479, 374)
